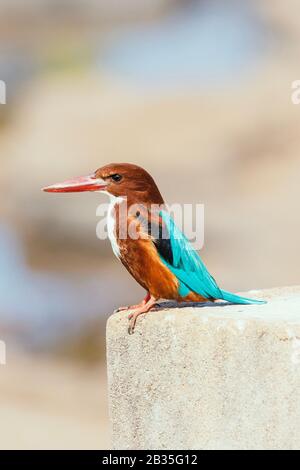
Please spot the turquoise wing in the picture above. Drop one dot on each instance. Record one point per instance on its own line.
(187, 265)
(178, 255)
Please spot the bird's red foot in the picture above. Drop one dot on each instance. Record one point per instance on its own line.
(134, 307)
(126, 308)
(139, 311)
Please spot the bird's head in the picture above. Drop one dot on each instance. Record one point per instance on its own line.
(116, 179)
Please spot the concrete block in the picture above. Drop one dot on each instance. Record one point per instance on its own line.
(208, 377)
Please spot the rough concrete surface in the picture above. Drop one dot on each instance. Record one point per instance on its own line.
(208, 377)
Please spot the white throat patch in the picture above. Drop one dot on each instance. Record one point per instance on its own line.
(111, 222)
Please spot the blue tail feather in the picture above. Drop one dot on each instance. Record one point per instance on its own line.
(190, 270)
(236, 299)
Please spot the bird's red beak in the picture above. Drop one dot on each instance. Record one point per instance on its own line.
(78, 184)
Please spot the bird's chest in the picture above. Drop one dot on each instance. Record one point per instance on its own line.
(120, 227)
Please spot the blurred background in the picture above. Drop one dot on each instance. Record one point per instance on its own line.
(196, 91)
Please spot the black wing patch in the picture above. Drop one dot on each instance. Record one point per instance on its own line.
(161, 240)
(157, 230)
(164, 248)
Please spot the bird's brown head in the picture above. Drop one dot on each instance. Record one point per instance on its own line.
(118, 179)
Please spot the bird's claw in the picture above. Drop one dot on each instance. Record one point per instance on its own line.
(132, 317)
(125, 308)
(120, 309)
(132, 321)
(131, 328)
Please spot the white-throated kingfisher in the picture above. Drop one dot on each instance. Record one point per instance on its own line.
(154, 250)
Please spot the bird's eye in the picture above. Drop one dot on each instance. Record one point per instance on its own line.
(116, 177)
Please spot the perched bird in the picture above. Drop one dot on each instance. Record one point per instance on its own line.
(146, 240)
